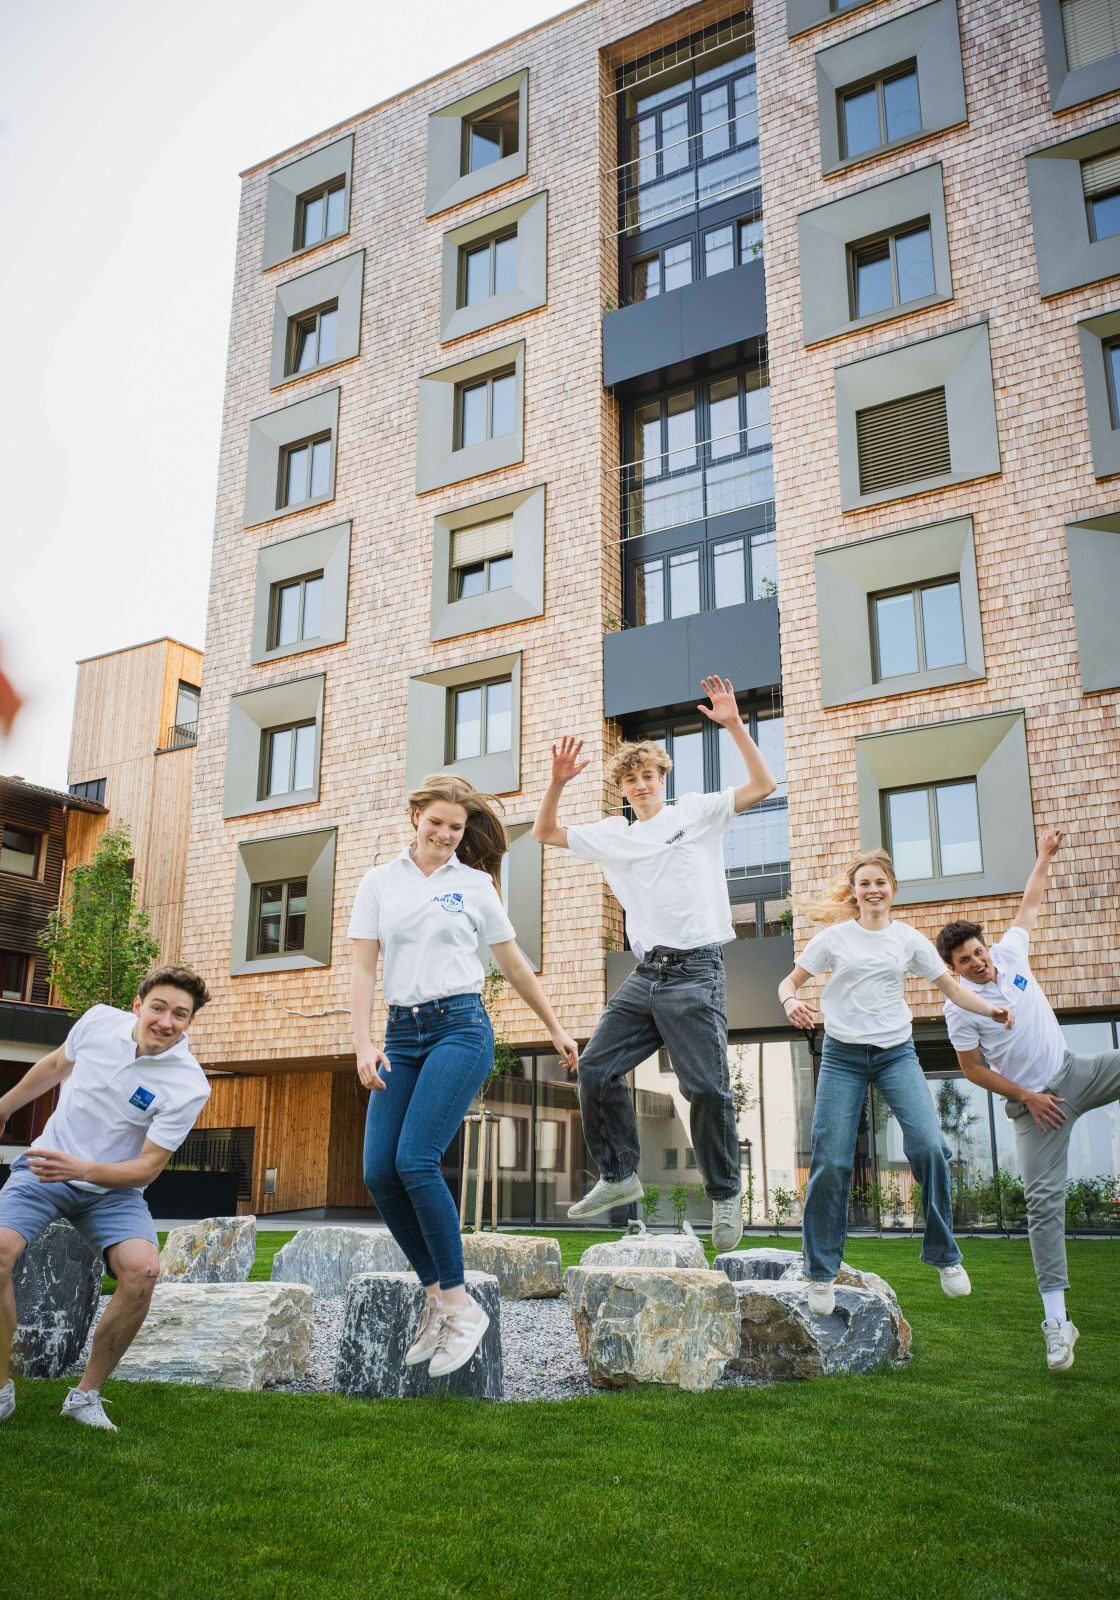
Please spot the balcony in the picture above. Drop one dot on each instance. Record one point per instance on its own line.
(673, 337)
(22, 1022)
(755, 967)
(180, 736)
(659, 667)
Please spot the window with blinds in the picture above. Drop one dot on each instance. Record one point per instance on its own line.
(902, 441)
(484, 542)
(1101, 174)
(1092, 30)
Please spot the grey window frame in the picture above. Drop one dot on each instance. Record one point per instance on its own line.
(878, 81)
(287, 451)
(267, 737)
(449, 615)
(526, 221)
(427, 736)
(487, 587)
(915, 590)
(447, 184)
(1066, 255)
(37, 856)
(272, 437)
(271, 859)
(338, 283)
(255, 953)
(1093, 557)
(275, 591)
(1072, 86)
(486, 381)
(466, 170)
(488, 243)
(287, 184)
(325, 550)
(889, 237)
(295, 325)
(252, 715)
(482, 684)
(440, 459)
(322, 191)
(930, 791)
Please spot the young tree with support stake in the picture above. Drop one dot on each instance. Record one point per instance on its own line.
(99, 943)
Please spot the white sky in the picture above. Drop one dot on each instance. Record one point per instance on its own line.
(123, 126)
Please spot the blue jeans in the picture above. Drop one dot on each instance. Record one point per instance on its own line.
(441, 1054)
(846, 1071)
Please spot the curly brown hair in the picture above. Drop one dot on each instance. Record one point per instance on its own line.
(630, 756)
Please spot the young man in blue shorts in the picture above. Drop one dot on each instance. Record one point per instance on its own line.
(131, 1091)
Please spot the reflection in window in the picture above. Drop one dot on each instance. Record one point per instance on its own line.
(485, 409)
(320, 214)
(934, 831)
(879, 113)
(892, 271)
(306, 471)
(289, 763)
(491, 134)
(297, 611)
(488, 269)
(14, 968)
(313, 339)
(482, 720)
(917, 630)
(281, 917)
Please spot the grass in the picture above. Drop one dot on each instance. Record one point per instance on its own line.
(972, 1472)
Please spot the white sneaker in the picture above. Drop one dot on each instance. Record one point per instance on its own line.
(423, 1346)
(955, 1281)
(459, 1335)
(606, 1195)
(7, 1400)
(1060, 1339)
(822, 1299)
(87, 1407)
(727, 1222)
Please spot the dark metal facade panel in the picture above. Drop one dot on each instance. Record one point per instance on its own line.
(659, 668)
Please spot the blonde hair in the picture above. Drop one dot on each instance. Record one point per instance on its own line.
(484, 841)
(839, 901)
(630, 756)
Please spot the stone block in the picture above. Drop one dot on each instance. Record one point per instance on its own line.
(213, 1250)
(788, 1266)
(766, 1262)
(647, 1250)
(526, 1266)
(57, 1283)
(782, 1340)
(223, 1335)
(382, 1314)
(327, 1258)
(665, 1325)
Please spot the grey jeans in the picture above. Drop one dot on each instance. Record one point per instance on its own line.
(676, 999)
(1082, 1082)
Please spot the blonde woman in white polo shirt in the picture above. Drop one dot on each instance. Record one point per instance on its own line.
(1045, 1086)
(425, 916)
(868, 1039)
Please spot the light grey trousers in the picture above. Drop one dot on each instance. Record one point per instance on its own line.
(1082, 1082)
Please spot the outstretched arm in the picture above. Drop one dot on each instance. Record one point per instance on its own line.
(960, 996)
(724, 709)
(1031, 903)
(566, 765)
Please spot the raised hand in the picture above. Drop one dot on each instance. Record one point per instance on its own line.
(723, 709)
(566, 764)
(1050, 842)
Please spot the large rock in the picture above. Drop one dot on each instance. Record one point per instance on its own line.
(853, 1278)
(781, 1339)
(327, 1258)
(225, 1335)
(647, 1250)
(382, 1313)
(214, 1250)
(668, 1325)
(57, 1283)
(741, 1265)
(526, 1266)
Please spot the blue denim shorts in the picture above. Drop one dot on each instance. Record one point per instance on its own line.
(29, 1207)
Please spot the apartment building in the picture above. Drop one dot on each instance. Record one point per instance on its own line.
(778, 342)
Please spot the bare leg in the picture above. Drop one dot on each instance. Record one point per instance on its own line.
(135, 1265)
(12, 1246)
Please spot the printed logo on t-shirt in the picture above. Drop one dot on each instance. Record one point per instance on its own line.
(675, 838)
(1020, 982)
(142, 1099)
(450, 902)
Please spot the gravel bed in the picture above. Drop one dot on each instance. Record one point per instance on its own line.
(540, 1352)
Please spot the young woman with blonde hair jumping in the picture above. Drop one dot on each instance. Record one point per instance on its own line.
(426, 914)
(869, 1040)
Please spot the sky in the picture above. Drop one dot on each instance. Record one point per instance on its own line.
(123, 126)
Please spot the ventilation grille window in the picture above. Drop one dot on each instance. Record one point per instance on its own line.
(902, 441)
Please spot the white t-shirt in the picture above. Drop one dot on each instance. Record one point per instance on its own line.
(668, 873)
(429, 928)
(1033, 1050)
(862, 1001)
(114, 1099)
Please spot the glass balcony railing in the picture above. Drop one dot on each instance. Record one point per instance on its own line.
(702, 480)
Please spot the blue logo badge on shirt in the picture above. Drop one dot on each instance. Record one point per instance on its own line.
(1020, 982)
(142, 1099)
(450, 902)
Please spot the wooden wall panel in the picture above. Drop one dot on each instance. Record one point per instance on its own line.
(291, 1112)
(348, 1123)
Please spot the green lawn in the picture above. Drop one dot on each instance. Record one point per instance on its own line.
(971, 1472)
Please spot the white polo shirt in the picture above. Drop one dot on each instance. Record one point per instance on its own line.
(862, 1002)
(114, 1099)
(666, 873)
(1033, 1050)
(429, 927)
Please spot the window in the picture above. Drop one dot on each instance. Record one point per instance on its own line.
(1091, 29)
(482, 720)
(280, 920)
(890, 271)
(670, 268)
(1081, 39)
(305, 471)
(19, 852)
(745, 566)
(321, 215)
(878, 113)
(92, 789)
(765, 917)
(485, 410)
(287, 760)
(471, 417)
(1100, 180)
(1093, 550)
(313, 339)
(1112, 369)
(917, 630)
(297, 611)
(902, 441)
(689, 124)
(732, 244)
(933, 831)
(490, 134)
(482, 558)
(488, 564)
(669, 1159)
(13, 975)
(705, 577)
(667, 587)
(184, 730)
(488, 269)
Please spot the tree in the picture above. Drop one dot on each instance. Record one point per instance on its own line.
(100, 945)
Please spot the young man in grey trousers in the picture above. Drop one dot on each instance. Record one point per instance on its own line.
(1045, 1085)
(666, 869)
